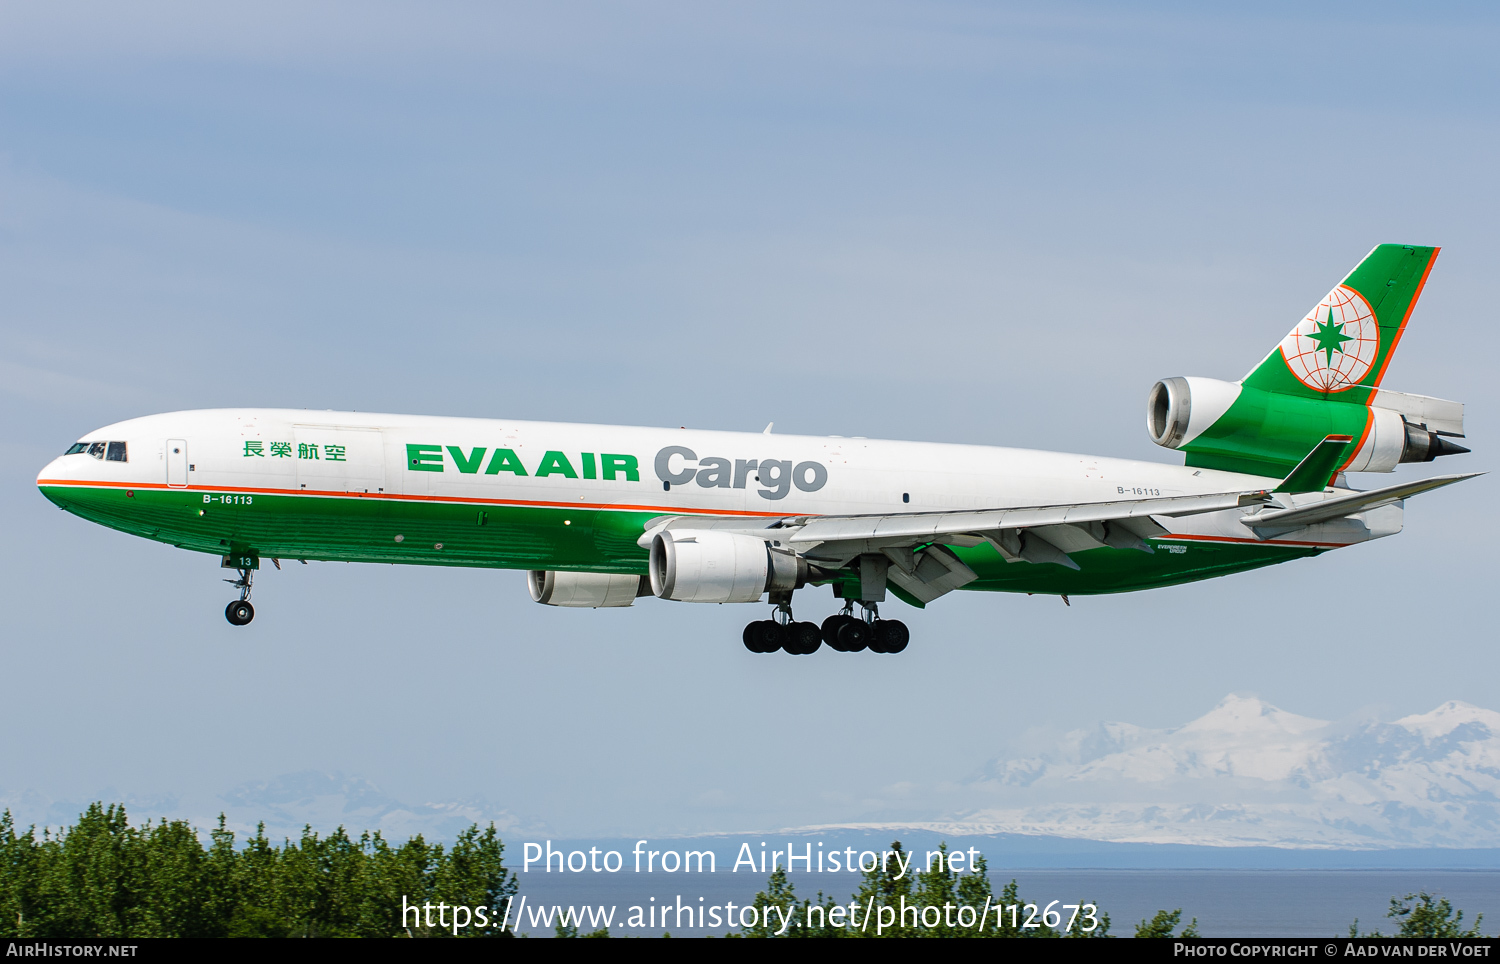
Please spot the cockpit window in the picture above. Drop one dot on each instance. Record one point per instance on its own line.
(77, 447)
(116, 453)
(96, 449)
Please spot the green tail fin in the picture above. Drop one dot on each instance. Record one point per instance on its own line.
(1341, 349)
(1321, 380)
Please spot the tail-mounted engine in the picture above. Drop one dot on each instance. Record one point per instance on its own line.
(704, 565)
(1226, 425)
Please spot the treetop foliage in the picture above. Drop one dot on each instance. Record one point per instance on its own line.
(1164, 924)
(105, 878)
(1424, 915)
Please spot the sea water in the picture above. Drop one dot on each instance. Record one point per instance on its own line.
(1226, 903)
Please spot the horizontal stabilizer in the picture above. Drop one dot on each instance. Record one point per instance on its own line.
(1435, 414)
(1315, 471)
(1340, 506)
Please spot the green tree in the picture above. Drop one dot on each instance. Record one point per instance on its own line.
(1165, 923)
(104, 878)
(974, 887)
(1098, 919)
(171, 864)
(217, 882)
(775, 902)
(252, 892)
(1425, 915)
(1014, 914)
(937, 886)
(890, 886)
(394, 874)
(571, 930)
(89, 878)
(19, 861)
(473, 874)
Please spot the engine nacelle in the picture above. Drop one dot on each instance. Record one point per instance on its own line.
(584, 590)
(703, 565)
(1179, 409)
(1392, 439)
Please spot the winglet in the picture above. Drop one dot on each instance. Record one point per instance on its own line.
(1315, 471)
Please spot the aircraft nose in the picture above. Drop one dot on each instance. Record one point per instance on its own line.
(51, 471)
(47, 479)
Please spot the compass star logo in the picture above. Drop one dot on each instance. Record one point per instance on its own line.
(1335, 345)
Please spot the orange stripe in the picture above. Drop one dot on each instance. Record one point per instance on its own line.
(1409, 309)
(675, 510)
(1369, 424)
(1253, 542)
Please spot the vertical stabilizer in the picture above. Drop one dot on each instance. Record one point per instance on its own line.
(1340, 350)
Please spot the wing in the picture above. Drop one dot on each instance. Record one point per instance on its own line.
(1269, 521)
(910, 546)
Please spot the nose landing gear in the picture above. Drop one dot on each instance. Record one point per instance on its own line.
(240, 612)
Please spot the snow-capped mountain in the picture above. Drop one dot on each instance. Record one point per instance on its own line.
(334, 799)
(284, 805)
(1247, 773)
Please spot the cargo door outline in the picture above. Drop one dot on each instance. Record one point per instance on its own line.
(177, 463)
(339, 459)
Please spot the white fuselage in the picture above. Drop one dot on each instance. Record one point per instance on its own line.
(658, 470)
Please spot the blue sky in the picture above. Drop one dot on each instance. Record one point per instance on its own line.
(957, 222)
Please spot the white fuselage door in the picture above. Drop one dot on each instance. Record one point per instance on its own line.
(177, 463)
(339, 459)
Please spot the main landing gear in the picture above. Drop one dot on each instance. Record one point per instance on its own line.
(843, 632)
(240, 612)
(781, 631)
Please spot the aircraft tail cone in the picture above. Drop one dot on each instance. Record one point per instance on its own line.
(1441, 446)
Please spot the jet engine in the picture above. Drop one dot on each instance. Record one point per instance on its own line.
(1395, 426)
(708, 566)
(585, 590)
(1179, 409)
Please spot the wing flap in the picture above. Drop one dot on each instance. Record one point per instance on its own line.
(928, 574)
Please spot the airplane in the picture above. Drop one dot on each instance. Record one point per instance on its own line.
(602, 515)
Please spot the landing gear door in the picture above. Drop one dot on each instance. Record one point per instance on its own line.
(338, 459)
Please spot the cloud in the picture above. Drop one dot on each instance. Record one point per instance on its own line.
(1250, 774)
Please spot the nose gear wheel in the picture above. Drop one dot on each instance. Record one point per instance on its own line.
(240, 612)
